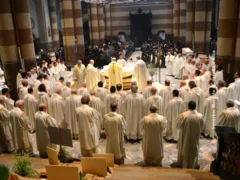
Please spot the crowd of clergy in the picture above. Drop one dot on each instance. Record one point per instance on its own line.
(88, 108)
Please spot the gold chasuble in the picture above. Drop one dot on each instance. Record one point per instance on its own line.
(115, 72)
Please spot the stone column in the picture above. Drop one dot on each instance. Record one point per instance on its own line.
(227, 43)
(23, 24)
(190, 23)
(8, 47)
(44, 24)
(202, 25)
(94, 24)
(183, 11)
(176, 20)
(101, 24)
(90, 25)
(54, 23)
(97, 29)
(237, 52)
(77, 9)
(68, 32)
(108, 22)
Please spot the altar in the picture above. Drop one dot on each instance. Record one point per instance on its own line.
(128, 73)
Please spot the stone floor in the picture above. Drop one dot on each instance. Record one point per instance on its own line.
(134, 154)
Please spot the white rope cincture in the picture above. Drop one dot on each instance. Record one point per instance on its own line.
(214, 112)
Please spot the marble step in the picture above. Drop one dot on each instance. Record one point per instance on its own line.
(136, 172)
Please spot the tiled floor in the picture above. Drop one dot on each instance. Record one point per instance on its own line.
(134, 154)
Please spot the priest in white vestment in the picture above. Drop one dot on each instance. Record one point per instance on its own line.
(147, 90)
(30, 108)
(183, 90)
(115, 126)
(190, 124)
(48, 84)
(199, 79)
(43, 120)
(8, 103)
(230, 117)
(211, 112)
(133, 110)
(154, 99)
(206, 78)
(38, 81)
(120, 91)
(121, 61)
(59, 83)
(79, 74)
(153, 126)
(6, 142)
(57, 108)
(115, 73)
(30, 79)
(169, 63)
(19, 79)
(66, 90)
(222, 95)
(166, 94)
(175, 107)
(87, 118)
(71, 103)
(102, 93)
(83, 91)
(23, 90)
(43, 97)
(20, 127)
(97, 104)
(178, 66)
(218, 76)
(141, 74)
(237, 84)
(91, 76)
(197, 95)
(114, 98)
(232, 92)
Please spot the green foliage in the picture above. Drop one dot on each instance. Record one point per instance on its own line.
(64, 155)
(22, 167)
(82, 176)
(4, 172)
(152, 70)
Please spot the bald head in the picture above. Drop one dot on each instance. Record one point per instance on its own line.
(153, 90)
(85, 100)
(133, 83)
(134, 88)
(91, 62)
(153, 108)
(230, 104)
(20, 104)
(92, 93)
(182, 83)
(84, 84)
(42, 107)
(79, 62)
(68, 84)
(167, 82)
(192, 84)
(25, 82)
(221, 84)
(73, 91)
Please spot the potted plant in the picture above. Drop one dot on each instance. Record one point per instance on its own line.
(22, 167)
(4, 172)
(152, 70)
